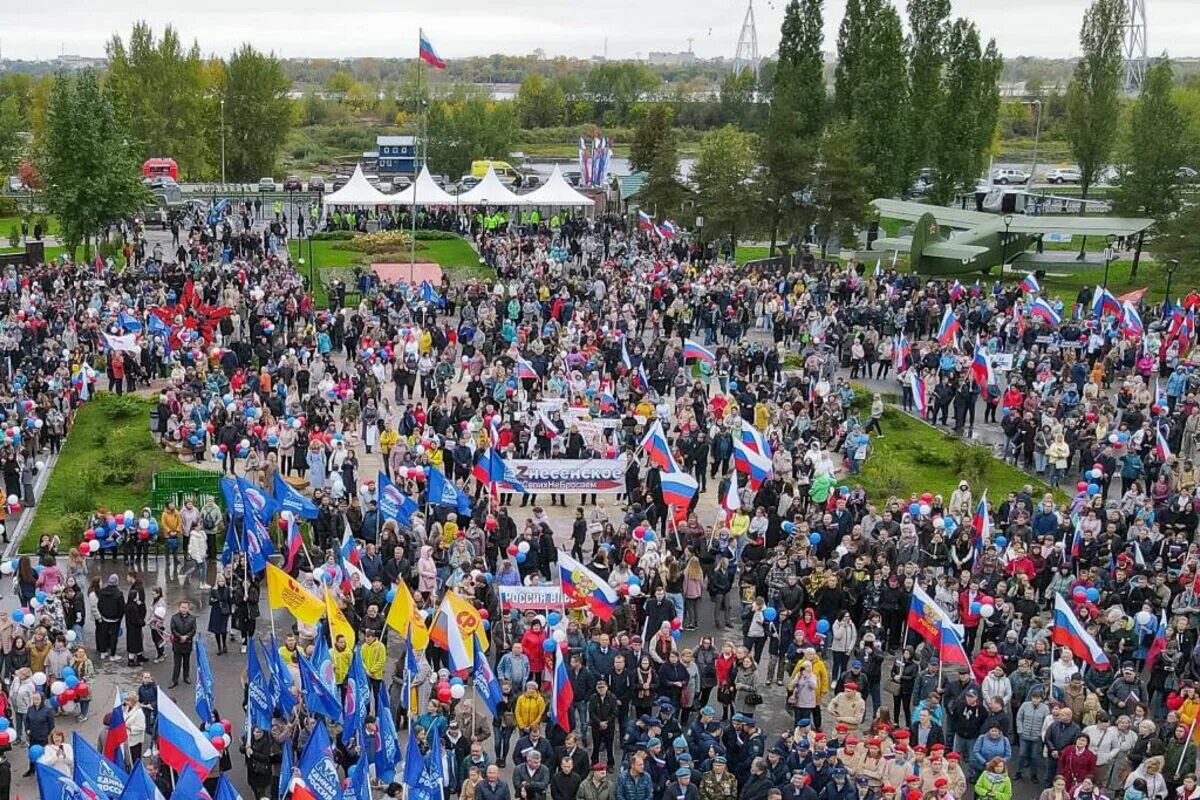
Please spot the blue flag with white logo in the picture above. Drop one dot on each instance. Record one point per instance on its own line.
(423, 773)
(393, 503)
(204, 685)
(281, 683)
(486, 686)
(285, 768)
(291, 500)
(258, 688)
(318, 767)
(262, 504)
(317, 696)
(356, 699)
(225, 790)
(93, 768)
(443, 492)
(387, 752)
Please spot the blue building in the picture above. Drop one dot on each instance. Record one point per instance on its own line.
(397, 155)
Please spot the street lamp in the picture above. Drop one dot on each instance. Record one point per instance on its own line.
(1037, 131)
(1108, 254)
(1008, 218)
(1172, 265)
(222, 142)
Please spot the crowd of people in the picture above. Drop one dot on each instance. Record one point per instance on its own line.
(760, 644)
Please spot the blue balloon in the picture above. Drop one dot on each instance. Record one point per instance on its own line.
(769, 614)
(153, 525)
(549, 645)
(37, 568)
(521, 558)
(1088, 475)
(67, 671)
(3, 724)
(914, 509)
(53, 704)
(975, 608)
(1093, 489)
(648, 536)
(456, 681)
(676, 634)
(822, 626)
(733, 386)
(35, 752)
(17, 616)
(1093, 595)
(814, 539)
(40, 595)
(216, 729)
(71, 682)
(554, 617)
(391, 594)
(634, 580)
(1001, 541)
(788, 526)
(489, 577)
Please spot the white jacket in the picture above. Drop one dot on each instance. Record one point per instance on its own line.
(135, 725)
(997, 687)
(1106, 743)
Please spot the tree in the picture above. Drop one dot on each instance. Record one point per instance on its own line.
(614, 86)
(10, 133)
(929, 25)
(881, 100)
(848, 74)
(258, 113)
(737, 98)
(1154, 150)
(663, 193)
(540, 103)
(840, 197)
(653, 132)
(723, 178)
(1093, 105)
(161, 92)
(87, 160)
(797, 113)
(966, 118)
(1179, 239)
(468, 126)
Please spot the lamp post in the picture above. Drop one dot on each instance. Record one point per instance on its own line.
(222, 142)
(1172, 265)
(1008, 218)
(1108, 254)
(1037, 131)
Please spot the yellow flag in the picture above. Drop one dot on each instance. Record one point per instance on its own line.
(458, 612)
(405, 619)
(338, 624)
(284, 591)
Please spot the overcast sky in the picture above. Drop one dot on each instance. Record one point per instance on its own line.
(388, 28)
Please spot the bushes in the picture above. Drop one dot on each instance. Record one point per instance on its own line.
(122, 407)
(14, 235)
(428, 235)
(378, 242)
(333, 236)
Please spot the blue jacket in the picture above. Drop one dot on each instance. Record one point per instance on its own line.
(986, 748)
(630, 787)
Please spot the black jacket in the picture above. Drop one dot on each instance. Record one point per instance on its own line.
(183, 632)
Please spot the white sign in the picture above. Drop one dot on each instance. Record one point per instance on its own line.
(531, 597)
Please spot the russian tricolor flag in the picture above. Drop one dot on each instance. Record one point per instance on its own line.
(1162, 449)
(428, 54)
(1068, 632)
(981, 367)
(981, 523)
(1105, 302)
(752, 455)
(117, 734)
(180, 743)
(678, 489)
(1131, 321)
(949, 327)
(654, 444)
(956, 291)
(667, 230)
(646, 222)
(1160, 639)
(525, 370)
(694, 351)
(1029, 284)
(561, 694)
(584, 586)
(733, 498)
(1041, 308)
(920, 400)
(903, 352)
(950, 647)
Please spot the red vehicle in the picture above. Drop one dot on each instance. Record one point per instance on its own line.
(161, 167)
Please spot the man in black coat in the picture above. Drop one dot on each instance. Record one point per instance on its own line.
(183, 633)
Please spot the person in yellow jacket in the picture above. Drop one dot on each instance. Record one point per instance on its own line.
(1189, 709)
(387, 440)
(762, 416)
(530, 707)
(341, 660)
(374, 655)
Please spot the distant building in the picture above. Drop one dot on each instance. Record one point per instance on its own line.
(684, 59)
(396, 156)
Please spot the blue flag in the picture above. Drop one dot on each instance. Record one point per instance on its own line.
(188, 786)
(53, 785)
(93, 768)
(128, 322)
(139, 786)
(387, 752)
(285, 768)
(321, 660)
(411, 667)
(263, 505)
(205, 704)
(291, 500)
(443, 492)
(233, 542)
(225, 790)
(257, 542)
(233, 498)
(423, 773)
(317, 696)
(281, 682)
(258, 689)
(356, 699)
(318, 767)
(393, 503)
(486, 686)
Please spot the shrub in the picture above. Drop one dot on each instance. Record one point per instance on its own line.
(9, 207)
(72, 526)
(427, 235)
(971, 463)
(117, 467)
(121, 407)
(333, 236)
(14, 235)
(83, 499)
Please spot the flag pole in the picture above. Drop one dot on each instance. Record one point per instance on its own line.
(412, 262)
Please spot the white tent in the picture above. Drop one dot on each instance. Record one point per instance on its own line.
(427, 192)
(491, 192)
(556, 192)
(357, 192)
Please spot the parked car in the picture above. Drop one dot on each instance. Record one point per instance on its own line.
(339, 181)
(292, 183)
(1064, 175)
(1186, 174)
(1007, 175)
(401, 182)
(15, 184)
(573, 177)
(440, 180)
(316, 184)
(467, 182)
(266, 185)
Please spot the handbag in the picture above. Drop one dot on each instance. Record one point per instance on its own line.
(753, 698)
(726, 694)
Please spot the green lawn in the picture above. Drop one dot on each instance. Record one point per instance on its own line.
(749, 253)
(107, 461)
(6, 224)
(1151, 274)
(913, 458)
(51, 252)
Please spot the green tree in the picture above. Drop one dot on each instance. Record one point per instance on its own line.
(848, 75)
(1093, 96)
(663, 192)
(541, 103)
(797, 113)
(841, 201)
(468, 126)
(614, 86)
(1179, 239)
(87, 160)
(258, 113)
(968, 113)
(881, 102)
(653, 132)
(10, 134)
(736, 98)
(161, 92)
(723, 177)
(929, 25)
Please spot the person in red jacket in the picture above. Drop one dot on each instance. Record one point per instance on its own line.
(533, 642)
(1076, 763)
(988, 659)
(970, 619)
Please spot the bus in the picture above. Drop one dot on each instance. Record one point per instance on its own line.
(161, 168)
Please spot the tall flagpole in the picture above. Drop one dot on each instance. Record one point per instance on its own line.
(412, 262)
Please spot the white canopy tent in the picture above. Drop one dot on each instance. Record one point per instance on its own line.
(357, 192)
(556, 192)
(426, 191)
(491, 192)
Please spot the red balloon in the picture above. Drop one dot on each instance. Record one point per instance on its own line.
(927, 497)
(227, 725)
(83, 549)
(144, 535)
(89, 534)
(218, 742)
(5, 738)
(82, 690)
(67, 696)
(1081, 486)
(443, 693)
(512, 550)
(483, 613)
(676, 624)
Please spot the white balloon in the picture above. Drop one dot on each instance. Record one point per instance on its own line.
(39, 679)
(12, 499)
(559, 635)
(35, 603)
(986, 611)
(160, 613)
(144, 524)
(94, 546)
(458, 691)
(6, 568)
(635, 590)
(71, 636)
(522, 547)
(58, 687)
(70, 707)
(1143, 618)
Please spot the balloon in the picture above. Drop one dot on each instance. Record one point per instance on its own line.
(1080, 593)
(82, 690)
(69, 707)
(548, 645)
(634, 580)
(72, 681)
(1001, 541)
(458, 692)
(3, 723)
(67, 696)
(512, 550)
(218, 742)
(986, 611)
(93, 546)
(553, 617)
(58, 687)
(822, 626)
(456, 681)
(39, 678)
(559, 636)
(17, 615)
(788, 527)
(89, 534)
(975, 607)
(1143, 618)
(649, 537)
(634, 590)
(5, 738)
(1093, 595)
(925, 509)
(84, 549)
(814, 539)
(443, 693)
(391, 594)
(216, 729)
(1093, 490)
(1081, 486)
(914, 509)
(521, 558)
(676, 624)
(523, 547)
(769, 614)
(35, 752)
(676, 634)
(927, 497)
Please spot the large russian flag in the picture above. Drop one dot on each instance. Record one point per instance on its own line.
(950, 647)
(1105, 302)
(654, 444)
(920, 399)
(1029, 284)
(561, 694)
(428, 54)
(1067, 631)
(525, 370)
(925, 616)
(694, 351)
(1041, 308)
(981, 523)
(180, 743)
(584, 586)
(949, 327)
(753, 462)
(678, 489)
(117, 734)
(1162, 448)
(1160, 637)
(981, 367)
(733, 499)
